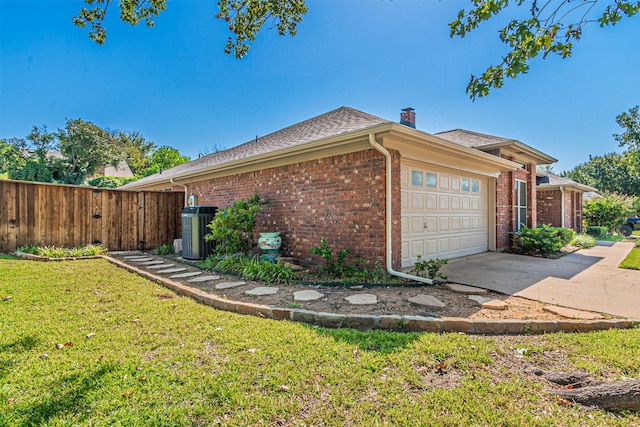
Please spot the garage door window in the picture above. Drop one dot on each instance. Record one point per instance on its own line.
(475, 186)
(416, 178)
(465, 184)
(432, 180)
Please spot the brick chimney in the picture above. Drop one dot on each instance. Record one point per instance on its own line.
(408, 117)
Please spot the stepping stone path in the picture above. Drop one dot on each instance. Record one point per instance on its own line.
(151, 262)
(161, 266)
(185, 275)
(466, 290)
(362, 299)
(571, 313)
(228, 285)
(204, 279)
(262, 290)
(172, 270)
(137, 261)
(489, 303)
(427, 300)
(135, 257)
(310, 295)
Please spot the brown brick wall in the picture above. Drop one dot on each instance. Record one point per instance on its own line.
(506, 200)
(341, 198)
(550, 208)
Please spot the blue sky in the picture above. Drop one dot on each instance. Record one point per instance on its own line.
(175, 86)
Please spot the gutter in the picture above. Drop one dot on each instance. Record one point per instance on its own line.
(388, 220)
(186, 199)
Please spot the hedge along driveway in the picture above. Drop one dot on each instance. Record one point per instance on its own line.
(132, 353)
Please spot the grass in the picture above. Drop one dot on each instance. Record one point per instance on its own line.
(632, 261)
(136, 355)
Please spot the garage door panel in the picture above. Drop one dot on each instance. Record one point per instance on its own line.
(441, 217)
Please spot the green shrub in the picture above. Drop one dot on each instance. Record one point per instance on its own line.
(608, 211)
(597, 231)
(252, 268)
(543, 240)
(335, 268)
(583, 241)
(61, 252)
(110, 181)
(429, 268)
(232, 228)
(165, 249)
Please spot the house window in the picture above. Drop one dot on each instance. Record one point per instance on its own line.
(475, 186)
(465, 184)
(432, 180)
(521, 204)
(416, 178)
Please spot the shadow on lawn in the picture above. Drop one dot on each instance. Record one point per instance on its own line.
(72, 400)
(18, 346)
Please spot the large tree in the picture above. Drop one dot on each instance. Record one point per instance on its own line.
(609, 173)
(630, 138)
(549, 27)
(136, 149)
(163, 158)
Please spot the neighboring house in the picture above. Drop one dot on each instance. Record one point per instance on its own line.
(384, 189)
(121, 170)
(560, 201)
(516, 200)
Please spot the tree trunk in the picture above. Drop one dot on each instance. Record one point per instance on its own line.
(615, 395)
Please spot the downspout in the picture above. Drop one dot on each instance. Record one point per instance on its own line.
(562, 206)
(186, 198)
(388, 219)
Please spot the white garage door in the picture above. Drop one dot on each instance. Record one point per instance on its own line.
(444, 214)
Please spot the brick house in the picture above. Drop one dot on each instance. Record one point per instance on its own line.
(559, 201)
(384, 189)
(516, 190)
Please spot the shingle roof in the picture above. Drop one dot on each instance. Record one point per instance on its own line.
(339, 121)
(560, 181)
(471, 139)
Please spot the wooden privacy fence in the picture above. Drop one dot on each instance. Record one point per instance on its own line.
(65, 215)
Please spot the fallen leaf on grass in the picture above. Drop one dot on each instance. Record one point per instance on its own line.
(91, 335)
(441, 368)
(6, 297)
(284, 387)
(355, 353)
(67, 344)
(562, 401)
(128, 394)
(44, 356)
(11, 400)
(252, 350)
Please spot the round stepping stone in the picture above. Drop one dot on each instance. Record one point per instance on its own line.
(204, 279)
(151, 262)
(309, 295)
(263, 290)
(172, 270)
(489, 303)
(183, 275)
(160, 266)
(228, 285)
(466, 290)
(427, 300)
(362, 299)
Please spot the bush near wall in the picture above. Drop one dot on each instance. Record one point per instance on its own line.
(543, 240)
(597, 231)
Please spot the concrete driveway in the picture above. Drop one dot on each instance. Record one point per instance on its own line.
(586, 280)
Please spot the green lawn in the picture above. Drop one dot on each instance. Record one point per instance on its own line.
(133, 354)
(632, 261)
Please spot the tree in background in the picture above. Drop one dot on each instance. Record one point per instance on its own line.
(84, 148)
(137, 150)
(549, 27)
(608, 173)
(70, 155)
(615, 172)
(163, 158)
(608, 211)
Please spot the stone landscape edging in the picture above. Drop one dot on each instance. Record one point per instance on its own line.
(392, 322)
